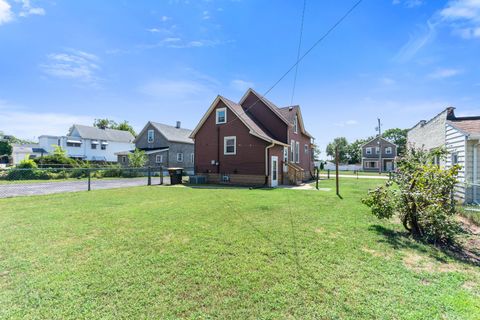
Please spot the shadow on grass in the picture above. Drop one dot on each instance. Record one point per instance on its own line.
(403, 240)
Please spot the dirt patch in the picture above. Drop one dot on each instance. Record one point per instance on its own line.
(375, 253)
(319, 230)
(418, 263)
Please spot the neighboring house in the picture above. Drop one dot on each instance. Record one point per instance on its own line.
(23, 151)
(166, 146)
(460, 136)
(252, 142)
(90, 143)
(379, 155)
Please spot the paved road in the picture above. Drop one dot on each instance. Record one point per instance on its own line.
(29, 189)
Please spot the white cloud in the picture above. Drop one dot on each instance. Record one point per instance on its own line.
(463, 17)
(417, 42)
(241, 85)
(409, 3)
(444, 73)
(29, 125)
(205, 15)
(6, 14)
(28, 10)
(73, 64)
(346, 123)
(165, 18)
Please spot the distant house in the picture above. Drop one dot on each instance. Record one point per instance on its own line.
(252, 142)
(90, 143)
(26, 151)
(166, 146)
(379, 155)
(460, 136)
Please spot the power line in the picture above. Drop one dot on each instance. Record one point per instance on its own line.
(326, 34)
(298, 51)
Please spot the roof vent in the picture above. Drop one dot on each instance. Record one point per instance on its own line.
(290, 108)
(178, 125)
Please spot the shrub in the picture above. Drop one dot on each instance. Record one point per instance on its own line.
(421, 195)
(27, 164)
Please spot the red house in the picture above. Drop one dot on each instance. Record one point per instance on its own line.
(252, 142)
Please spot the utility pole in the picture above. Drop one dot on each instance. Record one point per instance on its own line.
(336, 171)
(379, 146)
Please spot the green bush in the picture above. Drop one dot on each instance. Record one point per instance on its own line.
(27, 164)
(421, 195)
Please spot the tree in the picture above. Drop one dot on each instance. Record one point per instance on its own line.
(104, 123)
(5, 150)
(137, 159)
(316, 152)
(397, 136)
(354, 151)
(342, 144)
(421, 195)
(125, 126)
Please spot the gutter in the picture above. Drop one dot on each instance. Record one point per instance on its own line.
(266, 161)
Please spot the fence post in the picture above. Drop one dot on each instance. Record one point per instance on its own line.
(161, 174)
(328, 174)
(89, 182)
(318, 174)
(149, 182)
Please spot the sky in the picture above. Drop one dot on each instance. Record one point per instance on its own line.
(66, 62)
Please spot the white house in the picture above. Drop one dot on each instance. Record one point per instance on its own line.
(90, 143)
(461, 137)
(22, 151)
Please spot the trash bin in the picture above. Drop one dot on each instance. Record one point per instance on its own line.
(175, 175)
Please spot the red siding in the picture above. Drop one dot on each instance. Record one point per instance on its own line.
(306, 160)
(250, 157)
(268, 119)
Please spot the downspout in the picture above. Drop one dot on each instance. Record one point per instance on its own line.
(475, 173)
(218, 150)
(266, 162)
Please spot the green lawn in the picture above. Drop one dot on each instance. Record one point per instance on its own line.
(360, 173)
(179, 252)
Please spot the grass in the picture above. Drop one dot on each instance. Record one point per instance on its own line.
(472, 213)
(180, 252)
(360, 173)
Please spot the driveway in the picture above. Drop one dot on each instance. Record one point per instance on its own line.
(41, 188)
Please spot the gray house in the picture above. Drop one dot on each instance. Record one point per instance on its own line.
(379, 151)
(165, 146)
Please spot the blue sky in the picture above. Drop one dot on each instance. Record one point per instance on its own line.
(64, 62)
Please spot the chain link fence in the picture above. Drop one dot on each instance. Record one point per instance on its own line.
(16, 182)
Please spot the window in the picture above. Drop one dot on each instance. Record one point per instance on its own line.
(368, 150)
(285, 155)
(370, 164)
(124, 159)
(159, 158)
(150, 136)
(388, 150)
(93, 145)
(230, 145)
(221, 115)
(292, 148)
(192, 157)
(454, 158)
(306, 148)
(74, 144)
(103, 146)
(377, 150)
(295, 124)
(297, 152)
(179, 157)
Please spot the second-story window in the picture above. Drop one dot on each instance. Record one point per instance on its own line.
(295, 124)
(150, 136)
(221, 115)
(377, 150)
(388, 150)
(179, 157)
(368, 150)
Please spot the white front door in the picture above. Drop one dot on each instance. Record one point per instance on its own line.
(389, 166)
(274, 171)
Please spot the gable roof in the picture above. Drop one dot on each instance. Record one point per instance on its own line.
(468, 125)
(243, 116)
(94, 133)
(172, 133)
(289, 114)
(377, 137)
(267, 102)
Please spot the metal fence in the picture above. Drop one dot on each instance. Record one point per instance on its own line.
(16, 182)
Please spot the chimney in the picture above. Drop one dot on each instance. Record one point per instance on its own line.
(178, 125)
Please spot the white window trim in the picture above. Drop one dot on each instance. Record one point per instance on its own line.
(180, 157)
(153, 136)
(234, 145)
(292, 148)
(157, 157)
(388, 150)
(192, 157)
(297, 152)
(377, 150)
(295, 124)
(306, 148)
(368, 150)
(216, 115)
